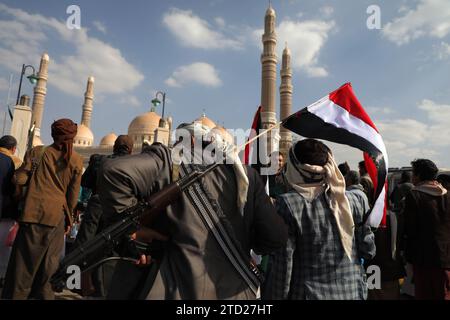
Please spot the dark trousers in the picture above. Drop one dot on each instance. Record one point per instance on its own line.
(390, 290)
(34, 259)
(89, 227)
(431, 283)
(91, 221)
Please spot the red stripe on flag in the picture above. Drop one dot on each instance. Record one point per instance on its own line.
(373, 173)
(345, 98)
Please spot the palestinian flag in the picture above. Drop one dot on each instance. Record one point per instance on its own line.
(340, 118)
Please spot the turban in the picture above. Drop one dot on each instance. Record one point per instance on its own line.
(123, 145)
(63, 132)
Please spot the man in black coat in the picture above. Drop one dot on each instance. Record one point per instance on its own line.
(93, 220)
(8, 210)
(193, 266)
(427, 231)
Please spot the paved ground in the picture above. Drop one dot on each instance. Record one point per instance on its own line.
(66, 295)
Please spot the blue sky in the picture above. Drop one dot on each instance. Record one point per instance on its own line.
(205, 55)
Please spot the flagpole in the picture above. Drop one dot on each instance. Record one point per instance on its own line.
(239, 149)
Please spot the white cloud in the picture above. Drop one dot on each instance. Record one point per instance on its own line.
(100, 26)
(220, 22)
(130, 101)
(407, 139)
(305, 39)
(199, 72)
(376, 111)
(442, 51)
(438, 113)
(405, 130)
(326, 11)
(430, 18)
(90, 56)
(192, 31)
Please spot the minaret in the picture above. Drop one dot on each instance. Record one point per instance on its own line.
(87, 105)
(40, 90)
(84, 137)
(285, 100)
(269, 74)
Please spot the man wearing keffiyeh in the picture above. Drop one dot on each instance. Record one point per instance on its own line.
(52, 175)
(321, 259)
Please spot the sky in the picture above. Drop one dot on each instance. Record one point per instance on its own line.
(205, 55)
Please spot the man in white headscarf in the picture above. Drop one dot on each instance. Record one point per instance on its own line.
(321, 259)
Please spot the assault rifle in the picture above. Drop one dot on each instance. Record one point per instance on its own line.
(92, 253)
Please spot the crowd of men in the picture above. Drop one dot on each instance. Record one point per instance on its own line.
(308, 228)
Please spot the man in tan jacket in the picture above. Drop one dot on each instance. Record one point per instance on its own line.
(52, 175)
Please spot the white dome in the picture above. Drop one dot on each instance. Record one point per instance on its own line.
(143, 127)
(84, 137)
(108, 140)
(207, 122)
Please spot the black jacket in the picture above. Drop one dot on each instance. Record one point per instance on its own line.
(7, 209)
(194, 266)
(427, 229)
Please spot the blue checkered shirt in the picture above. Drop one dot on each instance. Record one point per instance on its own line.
(313, 265)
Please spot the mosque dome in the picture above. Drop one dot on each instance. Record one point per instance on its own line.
(143, 127)
(224, 134)
(84, 137)
(207, 122)
(108, 140)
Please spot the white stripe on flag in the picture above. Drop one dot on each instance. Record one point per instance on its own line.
(378, 210)
(332, 113)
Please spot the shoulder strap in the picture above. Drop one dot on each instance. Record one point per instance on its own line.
(207, 211)
(36, 164)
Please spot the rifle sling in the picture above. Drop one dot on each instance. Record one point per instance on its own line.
(207, 211)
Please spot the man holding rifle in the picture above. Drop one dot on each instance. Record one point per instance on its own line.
(210, 229)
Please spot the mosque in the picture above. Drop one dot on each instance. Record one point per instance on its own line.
(150, 126)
